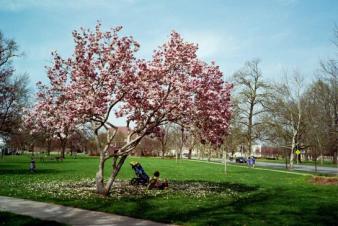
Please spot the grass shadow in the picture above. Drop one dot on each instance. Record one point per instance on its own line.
(219, 186)
(254, 207)
(14, 171)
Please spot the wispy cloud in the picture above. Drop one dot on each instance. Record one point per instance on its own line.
(212, 44)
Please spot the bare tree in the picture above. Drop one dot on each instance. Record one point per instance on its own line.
(237, 135)
(286, 113)
(328, 74)
(14, 93)
(251, 91)
(163, 138)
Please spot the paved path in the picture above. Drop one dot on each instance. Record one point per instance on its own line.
(67, 215)
(299, 167)
(296, 167)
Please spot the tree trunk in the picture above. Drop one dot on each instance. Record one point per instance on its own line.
(63, 147)
(286, 158)
(190, 152)
(335, 156)
(116, 170)
(63, 142)
(101, 188)
(295, 136)
(49, 146)
(162, 154)
(315, 159)
(293, 145)
(306, 156)
(299, 158)
(182, 142)
(250, 125)
(163, 150)
(32, 149)
(209, 154)
(99, 176)
(225, 160)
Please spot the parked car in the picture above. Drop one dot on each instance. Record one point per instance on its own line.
(240, 160)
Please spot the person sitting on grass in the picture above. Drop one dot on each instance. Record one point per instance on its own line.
(155, 182)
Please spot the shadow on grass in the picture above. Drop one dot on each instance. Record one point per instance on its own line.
(253, 206)
(13, 171)
(181, 203)
(218, 186)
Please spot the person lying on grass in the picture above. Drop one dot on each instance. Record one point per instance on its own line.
(155, 182)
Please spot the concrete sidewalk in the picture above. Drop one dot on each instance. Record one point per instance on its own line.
(67, 215)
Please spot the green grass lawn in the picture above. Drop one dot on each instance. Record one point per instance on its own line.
(199, 193)
(11, 219)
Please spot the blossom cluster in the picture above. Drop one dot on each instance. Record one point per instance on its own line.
(104, 76)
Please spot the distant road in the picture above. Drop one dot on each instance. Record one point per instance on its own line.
(297, 167)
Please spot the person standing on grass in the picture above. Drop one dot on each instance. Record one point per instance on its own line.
(249, 162)
(32, 166)
(253, 161)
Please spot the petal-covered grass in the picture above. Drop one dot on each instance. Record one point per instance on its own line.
(198, 194)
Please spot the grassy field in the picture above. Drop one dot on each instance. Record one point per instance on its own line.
(199, 193)
(11, 219)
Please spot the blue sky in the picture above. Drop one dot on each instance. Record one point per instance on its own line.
(284, 34)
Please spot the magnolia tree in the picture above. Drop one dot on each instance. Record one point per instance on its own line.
(103, 77)
(49, 116)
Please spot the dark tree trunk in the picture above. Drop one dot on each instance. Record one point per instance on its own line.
(32, 146)
(190, 152)
(49, 146)
(335, 157)
(209, 154)
(299, 158)
(63, 147)
(163, 149)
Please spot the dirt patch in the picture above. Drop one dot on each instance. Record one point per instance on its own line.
(325, 180)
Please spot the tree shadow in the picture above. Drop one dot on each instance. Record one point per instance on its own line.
(9, 166)
(218, 186)
(254, 206)
(151, 207)
(13, 171)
